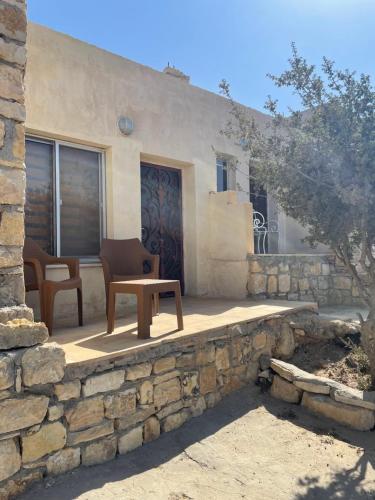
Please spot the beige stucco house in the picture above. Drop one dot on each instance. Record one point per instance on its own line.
(158, 178)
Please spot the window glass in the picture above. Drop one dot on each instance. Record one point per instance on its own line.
(80, 202)
(39, 194)
(222, 175)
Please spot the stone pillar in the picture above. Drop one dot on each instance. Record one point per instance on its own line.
(12, 158)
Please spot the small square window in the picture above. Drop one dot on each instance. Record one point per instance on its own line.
(222, 174)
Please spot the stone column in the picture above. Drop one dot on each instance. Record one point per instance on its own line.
(12, 158)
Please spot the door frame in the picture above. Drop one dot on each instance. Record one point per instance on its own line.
(179, 172)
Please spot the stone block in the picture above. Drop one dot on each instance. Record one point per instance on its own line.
(13, 22)
(20, 413)
(222, 360)
(284, 283)
(286, 391)
(168, 410)
(325, 269)
(111, 381)
(354, 397)
(146, 393)
(121, 404)
(272, 284)
(6, 372)
(151, 429)
(303, 284)
(312, 384)
(55, 412)
(351, 416)
(190, 384)
(10, 256)
(68, 390)
(131, 420)
(136, 372)
(18, 146)
(198, 406)
(159, 379)
(285, 345)
(17, 484)
(11, 81)
(257, 284)
(206, 356)
(100, 452)
(63, 461)
(12, 186)
(12, 110)
(283, 267)
(286, 370)
(260, 341)
(131, 440)
(21, 333)
(49, 438)
(174, 421)
(104, 429)
(342, 283)
(10, 459)
(323, 283)
(271, 270)
(255, 266)
(43, 364)
(212, 399)
(85, 413)
(164, 364)
(167, 392)
(12, 52)
(207, 379)
(186, 361)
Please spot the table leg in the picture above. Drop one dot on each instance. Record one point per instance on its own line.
(111, 310)
(144, 313)
(180, 319)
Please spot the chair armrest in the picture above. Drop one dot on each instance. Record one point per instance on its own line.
(37, 268)
(106, 271)
(71, 262)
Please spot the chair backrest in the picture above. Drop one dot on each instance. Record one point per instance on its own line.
(124, 257)
(32, 250)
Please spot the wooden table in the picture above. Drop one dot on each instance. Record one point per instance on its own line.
(144, 290)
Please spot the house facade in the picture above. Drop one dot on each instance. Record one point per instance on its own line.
(116, 149)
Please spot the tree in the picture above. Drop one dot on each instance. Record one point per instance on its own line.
(319, 164)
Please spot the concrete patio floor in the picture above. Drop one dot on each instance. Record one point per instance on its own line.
(201, 317)
(249, 447)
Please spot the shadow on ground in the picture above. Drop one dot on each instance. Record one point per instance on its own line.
(344, 483)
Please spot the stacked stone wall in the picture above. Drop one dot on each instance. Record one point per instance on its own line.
(318, 278)
(56, 417)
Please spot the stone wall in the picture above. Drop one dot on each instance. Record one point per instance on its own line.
(318, 278)
(54, 418)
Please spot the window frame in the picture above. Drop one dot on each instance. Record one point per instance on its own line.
(220, 160)
(55, 143)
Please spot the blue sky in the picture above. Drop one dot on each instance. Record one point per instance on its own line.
(239, 40)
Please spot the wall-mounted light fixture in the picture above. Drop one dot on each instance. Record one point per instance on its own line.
(126, 125)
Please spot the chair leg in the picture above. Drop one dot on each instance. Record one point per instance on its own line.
(48, 303)
(111, 310)
(180, 319)
(156, 303)
(143, 313)
(80, 308)
(41, 306)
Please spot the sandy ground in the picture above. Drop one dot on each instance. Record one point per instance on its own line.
(249, 446)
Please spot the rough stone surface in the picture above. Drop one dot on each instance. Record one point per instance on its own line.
(355, 417)
(10, 459)
(354, 397)
(43, 364)
(286, 345)
(49, 438)
(286, 391)
(99, 452)
(6, 372)
(12, 110)
(167, 392)
(98, 431)
(64, 461)
(151, 429)
(286, 370)
(146, 393)
(55, 412)
(207, 379)
(206, 355)
(174, 421)
(13, 22)
(110, 381)
(222, 360)
(190, 384)
(85, 413)
(120, 404)
(12, 52)
(136, 372)
(131, 440)
(11, 81)
(22, 333)
(12, 185)
(21, 413)
(131, 420)
(164, 364)
(68, 390)
(12, 227)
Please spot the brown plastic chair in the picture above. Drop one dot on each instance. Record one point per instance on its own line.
(35, 262)
(124, 260)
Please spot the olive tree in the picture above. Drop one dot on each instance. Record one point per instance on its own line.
(319, 164)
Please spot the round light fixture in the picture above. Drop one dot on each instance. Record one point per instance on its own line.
(126, 125)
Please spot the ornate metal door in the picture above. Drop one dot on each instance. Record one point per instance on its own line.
(162, 218)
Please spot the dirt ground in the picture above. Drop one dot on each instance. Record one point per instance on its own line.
(249, 447)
